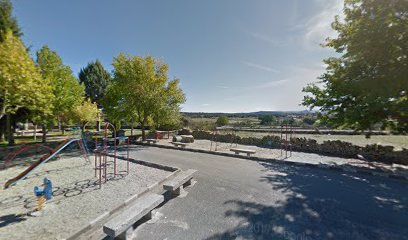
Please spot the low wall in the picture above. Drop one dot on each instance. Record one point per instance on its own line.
(385, 154)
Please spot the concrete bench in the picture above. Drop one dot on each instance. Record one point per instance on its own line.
(121, 226)
(175, 185)
(151, 140)
(179, 144)
(239, 150)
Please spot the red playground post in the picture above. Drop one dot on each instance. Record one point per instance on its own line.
(102, 154)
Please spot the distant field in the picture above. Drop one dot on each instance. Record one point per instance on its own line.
(398, 141)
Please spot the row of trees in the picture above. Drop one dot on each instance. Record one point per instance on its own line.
(45, 91)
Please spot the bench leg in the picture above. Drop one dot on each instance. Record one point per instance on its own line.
(178, 191)
(127, 235)
(148, 216)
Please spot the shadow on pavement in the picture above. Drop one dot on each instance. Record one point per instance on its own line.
(322, 204)
(10, 219)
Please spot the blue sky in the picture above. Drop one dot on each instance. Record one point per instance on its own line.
(231, 55)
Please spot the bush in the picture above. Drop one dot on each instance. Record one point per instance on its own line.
(222, 121)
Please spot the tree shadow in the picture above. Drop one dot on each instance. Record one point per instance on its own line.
(10, 219)
(322, 204)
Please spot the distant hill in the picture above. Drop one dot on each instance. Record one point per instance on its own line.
(249, 114)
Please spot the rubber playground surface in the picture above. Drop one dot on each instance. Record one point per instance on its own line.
(77, 197)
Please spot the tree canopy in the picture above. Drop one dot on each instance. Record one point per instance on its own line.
(140, 89)
(21, 85)
(95, 78)
(267, 119)
(85, 113)
(68, 92)
(222, 120)
(367, 84)
(7, 21)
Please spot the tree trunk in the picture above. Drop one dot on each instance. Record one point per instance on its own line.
(44, 133)
(132, 126)
(10, 132)
(2, 130)
(35, 132)
(63, 129)
(59, 125)
(143, 132)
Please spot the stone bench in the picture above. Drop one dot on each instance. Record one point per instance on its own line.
(175, 185)
(151, 140)
(239, 150)
(121, 226)
(179, 144)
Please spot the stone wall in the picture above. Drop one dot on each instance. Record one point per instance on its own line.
(385, 154)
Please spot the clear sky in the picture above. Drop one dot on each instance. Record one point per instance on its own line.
(230, 55)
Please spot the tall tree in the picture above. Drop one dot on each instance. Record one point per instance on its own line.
(7, 21)
(21, 85)
(368, 83)
(140, 89)
(68, 92)
(95, 78)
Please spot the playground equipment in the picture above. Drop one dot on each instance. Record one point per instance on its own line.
(53, 152)
(285, 136)
(44, 194)
(102, 154)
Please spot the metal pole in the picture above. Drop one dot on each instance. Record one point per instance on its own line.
(286, 141)
(114, 147)
(127, 170)
(100, 170)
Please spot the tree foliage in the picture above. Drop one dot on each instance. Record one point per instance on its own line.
(368, 83)
(68, 91)
(21, 85)
(7, 21)
(140, 89)
(222, 120)
(85, 113)
(95, 78)
(267, 119)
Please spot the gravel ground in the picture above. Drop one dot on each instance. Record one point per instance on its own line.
(296, 156)
(77, 197)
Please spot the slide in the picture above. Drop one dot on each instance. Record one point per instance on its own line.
(43, 160)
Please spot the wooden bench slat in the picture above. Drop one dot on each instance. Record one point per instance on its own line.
(179, 180)
(128, 217)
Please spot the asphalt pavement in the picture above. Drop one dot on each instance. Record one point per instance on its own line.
(235, 198)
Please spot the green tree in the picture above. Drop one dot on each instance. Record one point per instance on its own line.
(140, 90)
(95, 78)
(7, 21)
(367, 84)
(85, 113)
(267, 119)
(222, 120)
(21, 85)
(308, 121)
(68, 92)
